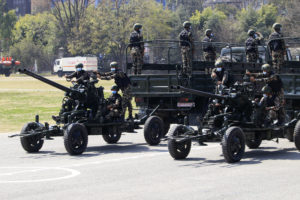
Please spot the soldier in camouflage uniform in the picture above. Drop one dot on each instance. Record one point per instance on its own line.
(187, 48)
(209, 51)
(271, 105)
(275, 83)
(277, 46)
(80, 74)
(114, 104)
(252, 45)
(123, 83)
(137, 48)
(219, 74)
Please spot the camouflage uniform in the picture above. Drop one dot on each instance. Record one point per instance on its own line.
(123, 82)
(80, 76)
(252, 48)
(275, 83)
(209, 51)
(114, 104)
(278, 49)
(271, 107)
(137, 51)
(187, 49)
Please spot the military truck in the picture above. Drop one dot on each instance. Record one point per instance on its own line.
(6, 65)
(162, 67)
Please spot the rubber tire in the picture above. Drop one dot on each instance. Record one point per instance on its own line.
(254, 144)
(297, 135)
(28, 142)
(69, 134)
(112, 137)
(7, 74)
(152, 123)
(175, 148)
(228, 138)
(60, 73)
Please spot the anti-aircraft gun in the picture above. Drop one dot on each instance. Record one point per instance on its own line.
(237, 123)
(82, 114)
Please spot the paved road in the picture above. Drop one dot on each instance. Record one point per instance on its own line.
(133, 170)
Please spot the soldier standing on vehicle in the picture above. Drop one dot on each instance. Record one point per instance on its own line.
(80, 74)
(137, 48)
(114, 104)
(275, 83)
(209, 51)
(187, 48)
(123, 83)
(277, 47)
(252, 45)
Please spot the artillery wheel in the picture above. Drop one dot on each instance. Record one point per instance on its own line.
(60, 73)
(112, 136)
(7, 74)
(233, 144)
(255, 143)
(153, 130)
(34, 143)
(178, 150)
(297, 135)
(75, 139)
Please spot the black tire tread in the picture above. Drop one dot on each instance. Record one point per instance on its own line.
(67, 138)
(172, 144)
(148, 124)
(25, 141)
(225, 142)
(297, 135)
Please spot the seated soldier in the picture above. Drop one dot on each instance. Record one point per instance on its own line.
(114, 104)
(80, 74)
(271, 105)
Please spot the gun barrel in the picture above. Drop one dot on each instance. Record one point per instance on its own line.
(47, 81)
(198, 93)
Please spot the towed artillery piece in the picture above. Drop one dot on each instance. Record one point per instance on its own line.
(82, 114)
(239, 122)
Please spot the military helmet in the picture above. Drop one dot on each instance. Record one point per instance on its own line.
(208, 31)
(277, 26)
(266, 67)
(266, 89)
(187, 24)
(251, 32)
(113, 64)
(137, 26)
(219, 63)
(114, 87)
(80, 65)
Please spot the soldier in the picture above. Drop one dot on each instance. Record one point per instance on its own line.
(209, 50)
(80, 74)
(123, 83)
(277, 47)
(275, 83)
(187, 48)
(219, 74)
(252, 45)
(114, 104)
(270, 104)
(137, 48)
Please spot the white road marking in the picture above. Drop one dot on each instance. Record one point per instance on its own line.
(72, 173)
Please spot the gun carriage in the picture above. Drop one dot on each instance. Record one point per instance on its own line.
(82, 114)
(239, 122)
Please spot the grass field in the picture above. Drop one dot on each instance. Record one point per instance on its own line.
(21, 98)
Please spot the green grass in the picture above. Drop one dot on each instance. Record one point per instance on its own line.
(19, 106)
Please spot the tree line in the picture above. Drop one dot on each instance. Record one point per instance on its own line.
(81, 28)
